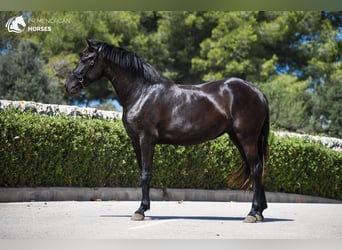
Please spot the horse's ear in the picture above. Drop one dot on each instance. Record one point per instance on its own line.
(93, 43)
(90, 42)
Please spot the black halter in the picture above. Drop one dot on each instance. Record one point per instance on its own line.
(81, 77)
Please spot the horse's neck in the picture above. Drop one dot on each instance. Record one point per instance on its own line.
(130, 89)
(127, 88)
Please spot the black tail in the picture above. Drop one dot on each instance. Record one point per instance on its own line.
(241, 176)
(263, 138)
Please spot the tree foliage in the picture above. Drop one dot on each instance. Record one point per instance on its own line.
(294, 56)
(22, 77)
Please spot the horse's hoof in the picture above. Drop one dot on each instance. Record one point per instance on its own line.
(250, 219)
(137, 217)
(259, 218)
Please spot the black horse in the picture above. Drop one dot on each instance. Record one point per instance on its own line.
(157, 111)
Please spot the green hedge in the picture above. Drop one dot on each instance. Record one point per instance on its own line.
(62, 151)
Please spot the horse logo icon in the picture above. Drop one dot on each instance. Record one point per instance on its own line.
(16, 24)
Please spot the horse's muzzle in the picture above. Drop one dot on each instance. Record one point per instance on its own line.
(71, 85)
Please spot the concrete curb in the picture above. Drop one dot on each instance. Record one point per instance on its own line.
(134, 194)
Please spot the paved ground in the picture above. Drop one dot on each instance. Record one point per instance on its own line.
(167, 220)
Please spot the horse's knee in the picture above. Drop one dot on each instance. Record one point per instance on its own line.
(145, 177)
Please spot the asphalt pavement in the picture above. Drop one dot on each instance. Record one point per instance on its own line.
(167, 220)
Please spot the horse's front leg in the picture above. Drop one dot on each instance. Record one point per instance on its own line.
(146, 159)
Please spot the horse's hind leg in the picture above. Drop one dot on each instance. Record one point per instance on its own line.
(256, 170)
(248, 148)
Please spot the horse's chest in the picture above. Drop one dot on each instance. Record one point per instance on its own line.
(139, 121)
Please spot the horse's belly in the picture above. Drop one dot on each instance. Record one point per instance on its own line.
(189, 133)
(185, 141)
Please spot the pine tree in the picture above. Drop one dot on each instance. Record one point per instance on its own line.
(22, 75)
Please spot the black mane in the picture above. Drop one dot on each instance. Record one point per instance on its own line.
(130, 62)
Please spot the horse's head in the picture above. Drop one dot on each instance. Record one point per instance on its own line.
(88, 70)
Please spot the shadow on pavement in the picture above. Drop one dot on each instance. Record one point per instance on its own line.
(209, 218)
